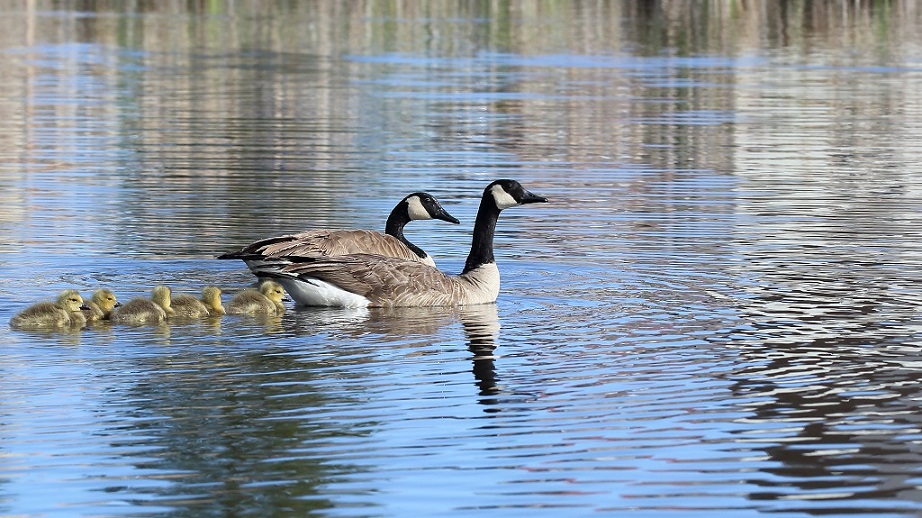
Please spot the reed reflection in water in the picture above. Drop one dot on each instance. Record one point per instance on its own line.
(716, 314)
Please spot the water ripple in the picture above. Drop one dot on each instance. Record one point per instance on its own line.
(715, 312)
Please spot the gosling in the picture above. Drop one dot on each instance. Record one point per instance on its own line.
(140, 311)
(66, 311)
(266, 301)
(100, 305)
(187, 306)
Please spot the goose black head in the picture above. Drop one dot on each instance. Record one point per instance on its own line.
(509, 193)
(422, 205)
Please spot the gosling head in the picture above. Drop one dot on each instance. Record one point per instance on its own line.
(509, 193)
(211, 296)
(162, 297)
(71, 301)
(273, 291)
(422, 205)
(105, 299)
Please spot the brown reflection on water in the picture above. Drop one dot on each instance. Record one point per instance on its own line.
(228, 432)
(235, 121)
(254, 429)
(765, 150)
(836, 411)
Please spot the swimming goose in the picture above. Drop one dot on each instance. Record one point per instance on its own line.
(100, 305)
(65, 311)
(187, 306)
(392, 243)
(141, 311)
(266, 301)
(361, 280)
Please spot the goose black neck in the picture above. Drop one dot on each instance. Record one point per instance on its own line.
(484, 228)
(398, 219)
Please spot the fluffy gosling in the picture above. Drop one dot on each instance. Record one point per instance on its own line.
(211, 296)
(66, 311)
(266, 301)
(100, 305)
(140, 311)
(187, 306)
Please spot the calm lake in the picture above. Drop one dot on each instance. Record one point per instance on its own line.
(716, 314)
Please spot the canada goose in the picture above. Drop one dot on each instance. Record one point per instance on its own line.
(371, 280)
(187, 306)
(266, 301)
(100, 305)
(65, 311)
(141, 311)
(392, 243)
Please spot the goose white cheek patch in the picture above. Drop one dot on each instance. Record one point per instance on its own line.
(503, 199)
(416, 210)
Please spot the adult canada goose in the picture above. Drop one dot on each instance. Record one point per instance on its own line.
(100, 305)
(360, 280)
(266, 301)
(392, 243)
(141, 311)
(65, 311)
(187, 306)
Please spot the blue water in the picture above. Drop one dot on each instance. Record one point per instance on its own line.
(714, 314)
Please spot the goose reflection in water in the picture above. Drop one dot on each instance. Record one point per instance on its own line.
(479, 321)
(481, 326)
(414, 326)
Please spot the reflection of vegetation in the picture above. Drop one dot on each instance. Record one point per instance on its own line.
(232, 121)
(728, 27)
(156, 127)
(233, 437)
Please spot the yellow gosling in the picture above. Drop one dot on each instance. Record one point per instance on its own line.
(187, 306)
(266, 301)
(140, 311)
(161, 296)
(101, 305)
(211, 297)
(66, 311)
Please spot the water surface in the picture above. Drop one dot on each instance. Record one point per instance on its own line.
(716, 312)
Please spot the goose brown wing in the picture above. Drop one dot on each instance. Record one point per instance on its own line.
(326, 243)
(382, 280)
